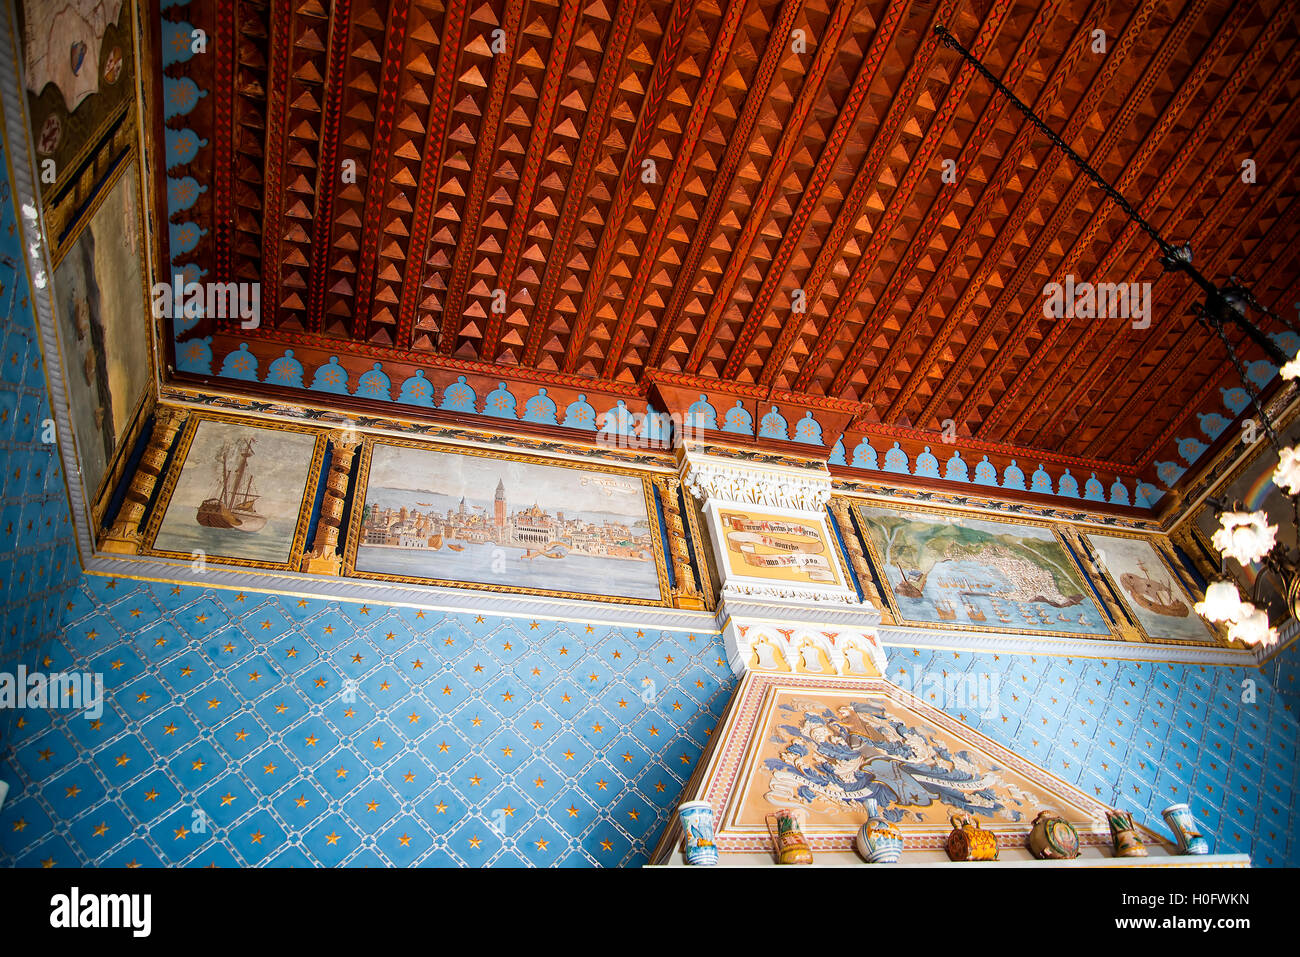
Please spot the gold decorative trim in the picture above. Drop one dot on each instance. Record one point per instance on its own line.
(124, 537)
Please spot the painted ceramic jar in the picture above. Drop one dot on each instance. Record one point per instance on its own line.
(788, 842)
(1125, 835)
(1053, 838)
(879, 841)
(1180, 821)
(970, 842)
(697, 832)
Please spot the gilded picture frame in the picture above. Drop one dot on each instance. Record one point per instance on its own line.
(128, 174)
(176, 469)
(362, 497)
(1090, 599)
(1095, 545)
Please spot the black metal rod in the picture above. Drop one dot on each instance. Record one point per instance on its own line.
(1174, 259)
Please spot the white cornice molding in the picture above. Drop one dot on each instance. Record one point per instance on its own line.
(734, 482)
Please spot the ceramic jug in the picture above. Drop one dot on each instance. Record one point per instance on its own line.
(879, 841)
(1124, 833)
(970, 842)
(697, 832)
(1053, 838)
(1180, 821)
(788, 842)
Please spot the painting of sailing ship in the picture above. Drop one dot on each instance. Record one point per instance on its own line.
(441, 516)
(960, 571)
(833, 753)
(240, 493)
(1148, 587)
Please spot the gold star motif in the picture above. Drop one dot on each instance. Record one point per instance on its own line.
(241, 734)
(227, 799)
(541, 844)
(169, 729)
(540, 781)
(199, 764)
(331, 838)
(151, 795)
(256, 837)
(181, 833)
(573, 811)
(300, 801)
(311, 740)
(413, 718)
(291, 653)
(474, 842)
(122, 760)
(606, 846)
(101, 829)
(342, 772)
(404, 841)
(475, 780)
(281, 708)
(378, 743)
(269, 768)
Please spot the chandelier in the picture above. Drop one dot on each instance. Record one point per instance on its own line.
(1243, 535)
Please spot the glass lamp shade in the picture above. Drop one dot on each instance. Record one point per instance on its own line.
(1245, 536)
(1287, 474)
(1222, 602)
(1252, 627)
(1291, 370)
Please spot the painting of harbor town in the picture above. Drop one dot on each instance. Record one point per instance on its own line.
(239, 494)
(1149, 589)
(472, 519)
(960, 571)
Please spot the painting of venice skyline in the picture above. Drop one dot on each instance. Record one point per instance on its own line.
(957, 570)
(449, 517)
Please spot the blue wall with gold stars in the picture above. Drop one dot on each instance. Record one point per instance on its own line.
(249, 729)
(38, 560)
(1142, 736)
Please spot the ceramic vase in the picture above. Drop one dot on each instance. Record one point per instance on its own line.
(879, 841)
(1180, 821)
(1124, 833)
(970, 842)
(697, 832)
(788, 842)
(1053, 838)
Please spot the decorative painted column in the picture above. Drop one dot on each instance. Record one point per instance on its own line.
(324, 557)
(786, 601)
(124, 537)
(843, 512)
(685, 592)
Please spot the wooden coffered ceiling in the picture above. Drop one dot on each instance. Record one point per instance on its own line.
(751, 196)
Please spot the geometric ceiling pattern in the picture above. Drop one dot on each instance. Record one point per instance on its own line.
(805, 198)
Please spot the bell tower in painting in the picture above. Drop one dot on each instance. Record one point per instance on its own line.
(499, 504)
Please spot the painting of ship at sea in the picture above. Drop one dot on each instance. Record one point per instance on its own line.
(697, 832)
(1124, 833)
(788, 842)
(1180, 821)
(1053, 838)
(970, 842)
(233, 504)
(879, 841)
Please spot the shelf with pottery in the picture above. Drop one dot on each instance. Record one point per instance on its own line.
(1089, 857)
